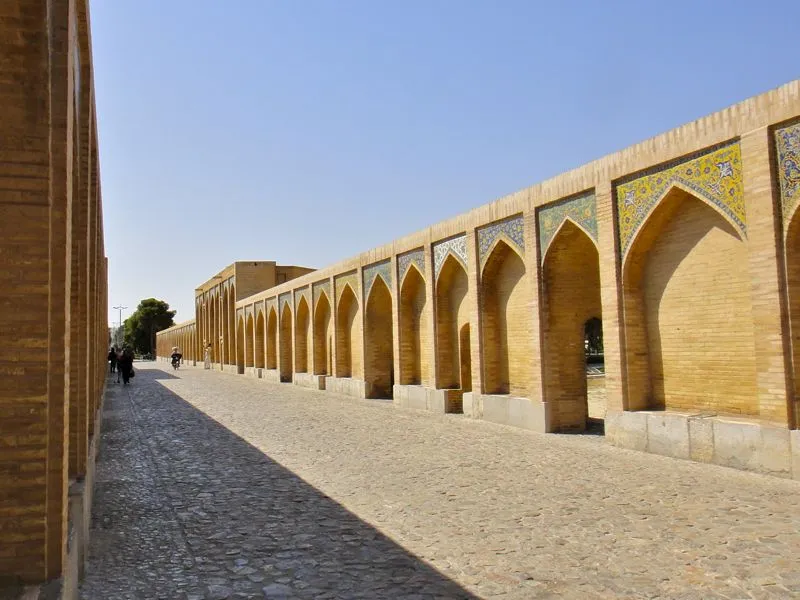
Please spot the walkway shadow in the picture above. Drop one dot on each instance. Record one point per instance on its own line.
(185, 508)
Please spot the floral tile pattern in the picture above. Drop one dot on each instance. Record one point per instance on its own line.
(415, 257)
(342, 280)
(511, 229)
(715, 175)
(456, 246)
(320, 287)
(581, 210)
(284, 299)
(382, 269)
(787, 143)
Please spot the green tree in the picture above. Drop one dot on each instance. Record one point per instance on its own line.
(150, 317)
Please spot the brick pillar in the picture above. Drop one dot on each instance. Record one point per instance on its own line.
(475, 316)
(334, 321)
(533, 274)
(395, 291)
(611, 300)
(764, 244)
(429, 352)
(25, 272)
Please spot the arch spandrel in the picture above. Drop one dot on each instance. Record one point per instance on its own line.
(383, 270)
(580, 210)
(342, 281)
(319, 288)
(787, 147)
(714, 177)
(404, 261)
(511, 231)
(455, 247)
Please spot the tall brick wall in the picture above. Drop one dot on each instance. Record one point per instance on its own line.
(53, 273)
(302, 340)
(453, 327)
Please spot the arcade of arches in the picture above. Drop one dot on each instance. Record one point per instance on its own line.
(655, 292)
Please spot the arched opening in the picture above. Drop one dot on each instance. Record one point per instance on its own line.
(240, 364)
(413, 314)
(379, 350)
(226, 350)
(247, 342)
(506, 323)
(272, 339)
(301, 336)
(688, 312)
(452, 327)
(213, 330)
(571, 286)
(286, 343)
(322, 335)
(230, 341)
(348, 336)
(259, 341)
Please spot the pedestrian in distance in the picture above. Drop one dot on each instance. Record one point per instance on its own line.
(112, 358)
(207, 358)
(126, 365)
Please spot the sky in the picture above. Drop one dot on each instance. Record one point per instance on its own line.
(307, 131)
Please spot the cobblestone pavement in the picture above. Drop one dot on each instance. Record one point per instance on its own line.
(215, 486)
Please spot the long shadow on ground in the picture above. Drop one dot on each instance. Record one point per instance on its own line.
(184, 508)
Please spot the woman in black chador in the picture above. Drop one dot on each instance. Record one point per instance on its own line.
(126, 364)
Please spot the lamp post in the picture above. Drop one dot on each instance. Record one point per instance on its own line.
(120, 309)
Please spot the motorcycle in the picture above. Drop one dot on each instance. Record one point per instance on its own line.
(176, 361)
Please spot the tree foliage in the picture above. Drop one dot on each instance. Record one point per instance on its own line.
(149, 317)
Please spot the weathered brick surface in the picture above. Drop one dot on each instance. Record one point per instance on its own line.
(52, 286)
(692, 283)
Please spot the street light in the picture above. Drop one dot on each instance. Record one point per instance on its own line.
(119, 308)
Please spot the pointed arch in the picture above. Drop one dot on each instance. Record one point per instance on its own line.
(260, 357)
(379, 342)
(453, 327)
(676, 190)
(285, 342)
(414, 313)
(302, 334)
(450, 256)
(506, 322)
(323, 333)
(213, 329)
(226, 350)
(230, 339)
(687, 254)
(247, 342)
(272, 339)
(348, 335)
(568, 222)
(571, 296)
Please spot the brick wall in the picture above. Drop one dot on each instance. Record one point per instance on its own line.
(378, 342)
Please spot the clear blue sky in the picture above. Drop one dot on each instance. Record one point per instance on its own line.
(306, 131)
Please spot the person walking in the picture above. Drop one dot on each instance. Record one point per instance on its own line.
(126, 365)
(207, 358)
(112, 358)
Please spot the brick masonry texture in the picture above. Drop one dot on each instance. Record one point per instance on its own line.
(53, 301)
(685, 246)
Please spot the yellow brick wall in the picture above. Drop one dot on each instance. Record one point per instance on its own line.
(453, 327)
(303, 341)
(349, 351)
(323, 337)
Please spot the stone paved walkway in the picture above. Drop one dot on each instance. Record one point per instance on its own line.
(220, 486)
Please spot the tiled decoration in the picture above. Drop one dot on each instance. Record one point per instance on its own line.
(415, 257)
(512, 230)
(272, 304)
(320, 287)
(715, 176)
(787, 144)
(581, 210)
(456, 246)
(302, 293)
(382, 269)
(284, 299)
(342, 280)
